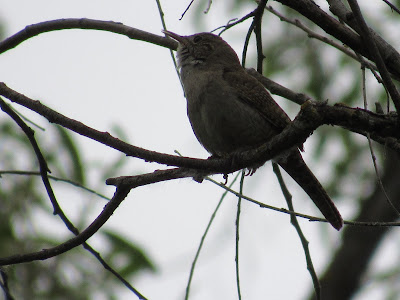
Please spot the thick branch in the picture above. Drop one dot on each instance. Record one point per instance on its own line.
(102, 137)
(312, 115)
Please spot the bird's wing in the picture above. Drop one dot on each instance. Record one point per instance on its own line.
(254, 94)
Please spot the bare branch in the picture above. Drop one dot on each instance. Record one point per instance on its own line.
(55, 178)
(61, 24)
(296, 225)
(392, 6)
(312, 115)
(4, 285)
(108, 210)
(234, 22)
(310, 218)
(237, 223)
(187, 290)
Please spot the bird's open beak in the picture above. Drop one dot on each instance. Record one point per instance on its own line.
(177, 37)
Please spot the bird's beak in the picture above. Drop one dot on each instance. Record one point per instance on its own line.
(177, 37)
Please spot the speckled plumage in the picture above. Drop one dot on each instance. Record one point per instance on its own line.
(230, 111)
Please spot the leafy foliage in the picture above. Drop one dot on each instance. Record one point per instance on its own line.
(23, 200)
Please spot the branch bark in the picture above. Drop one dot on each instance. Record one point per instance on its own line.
(311, 116)
(62, 24)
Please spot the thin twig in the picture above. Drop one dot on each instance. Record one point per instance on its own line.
(371, 149)
(304, 216)
(296, 225)
(208, 7)
(4, 285)
(257, 13)
(204, 236)
(55, 178)
(392, 6)
(27, 119)
(187, 8)
(239, 205)
(161, 12)
(246, 44)
(234, 23)
(258, 33)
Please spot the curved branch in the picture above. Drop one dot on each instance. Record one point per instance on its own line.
(61, 24)
(108, 210)
(43, 167)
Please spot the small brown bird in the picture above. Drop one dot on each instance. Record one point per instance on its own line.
(230, 111)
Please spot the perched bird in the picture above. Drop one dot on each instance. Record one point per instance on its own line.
(230, 111)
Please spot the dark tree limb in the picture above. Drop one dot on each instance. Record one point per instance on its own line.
(346, 35)
(371, 43)
(311, 116)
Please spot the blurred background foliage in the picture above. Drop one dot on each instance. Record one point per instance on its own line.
(76, 274)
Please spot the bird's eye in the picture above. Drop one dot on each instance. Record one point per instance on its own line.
(197, 39)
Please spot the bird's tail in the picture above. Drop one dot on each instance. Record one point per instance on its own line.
(294, 165)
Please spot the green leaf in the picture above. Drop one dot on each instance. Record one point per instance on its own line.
(133, 256)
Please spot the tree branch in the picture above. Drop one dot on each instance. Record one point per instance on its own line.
(61, 24)
(330, 25)
(108, 210)
(373, 48)
(296, 225)
(311, 116)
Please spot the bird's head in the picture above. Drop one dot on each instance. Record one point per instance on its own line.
(204, 48)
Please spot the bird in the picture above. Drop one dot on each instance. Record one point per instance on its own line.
(231, 111)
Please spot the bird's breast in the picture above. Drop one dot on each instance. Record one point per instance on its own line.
(220, 120)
